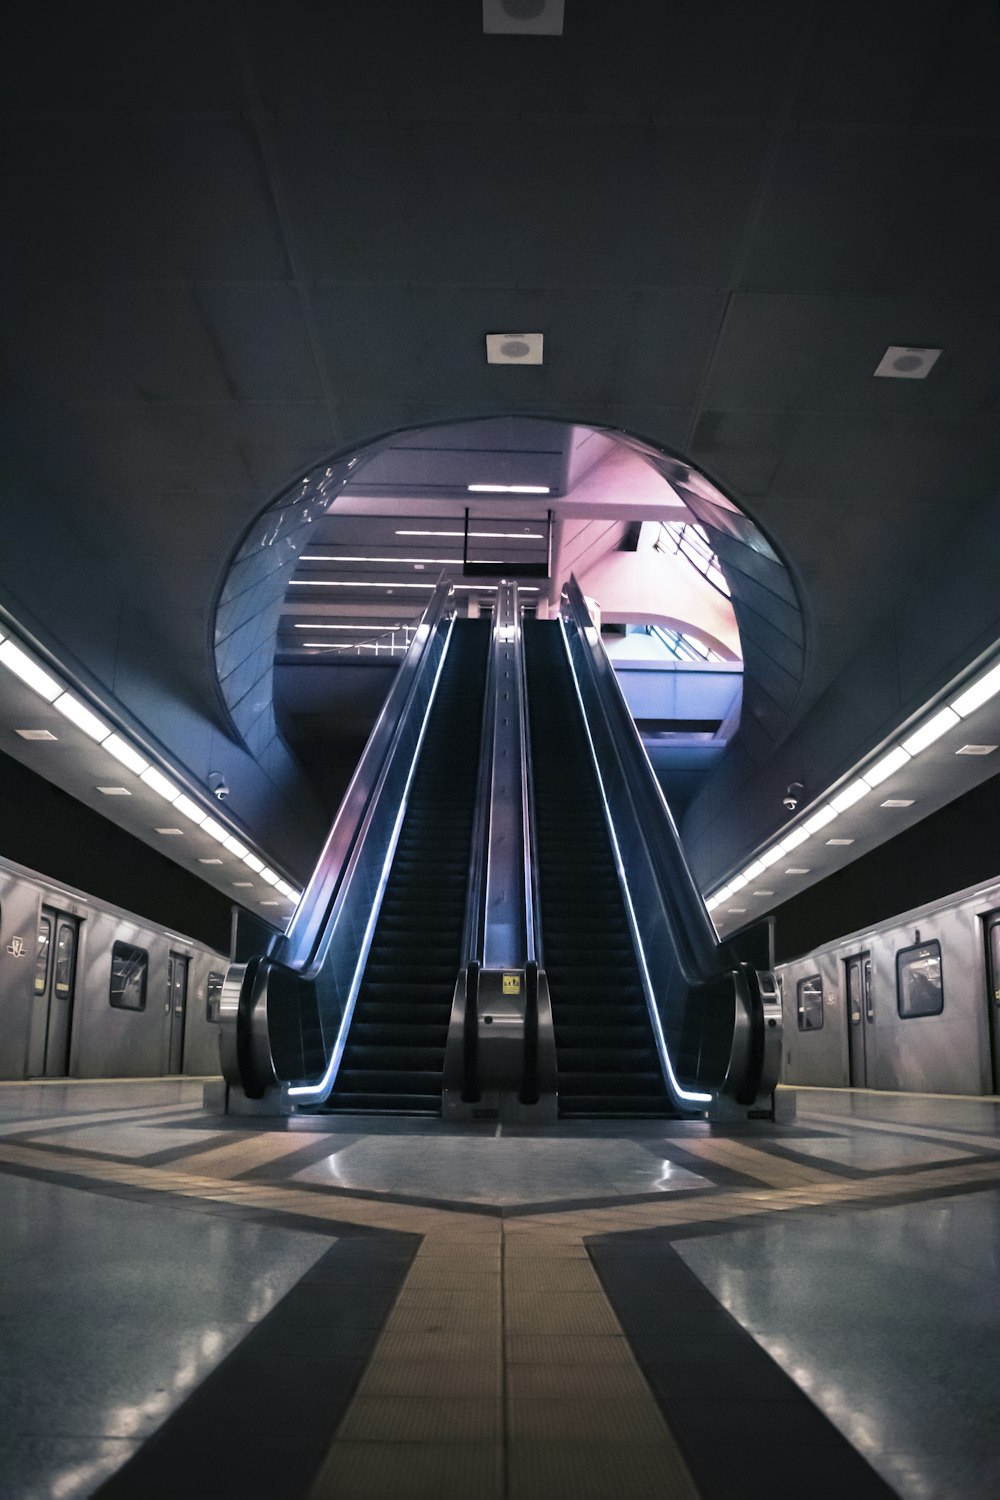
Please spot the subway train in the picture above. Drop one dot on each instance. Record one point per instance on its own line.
(912, 1004)
(90, 991)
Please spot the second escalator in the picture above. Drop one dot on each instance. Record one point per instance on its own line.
(607, 1058)
(394, 1057)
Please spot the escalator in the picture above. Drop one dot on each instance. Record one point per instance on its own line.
(607, 1056)
(394, 1055)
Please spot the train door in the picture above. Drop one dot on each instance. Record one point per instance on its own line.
(860, 1016)
(54, 984)
(177, 986)
(993, 983)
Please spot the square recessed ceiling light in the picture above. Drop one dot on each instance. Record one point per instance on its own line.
(172, 832)
(209, 861)
(243, 885)
(36, 734)
(840, 841)
(901, 362)
(976, 750)
(114, 791)
(514, 348)
(897, 802)
(763, 893)
(523, 17)
(797, 870)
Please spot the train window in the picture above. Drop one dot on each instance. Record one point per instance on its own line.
(128, 976)
(213, 996)
(42, 955)
(65, 958)
(810, 1006)
(919, 991)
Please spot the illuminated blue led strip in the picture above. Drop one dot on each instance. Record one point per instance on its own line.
(322, 1089)
(661, 1044)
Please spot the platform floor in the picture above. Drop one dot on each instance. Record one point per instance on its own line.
(368, 1309)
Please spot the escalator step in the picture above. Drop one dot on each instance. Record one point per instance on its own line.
(604, 1043)
(394, 1058)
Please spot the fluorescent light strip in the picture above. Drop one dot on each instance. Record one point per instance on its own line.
(71, 708)
(23, 666)
(253, 863)
(493, 536)
(509, 489)
(979, 693)
(30, 673)
(123, 751)
(331, 558)
(931, 731)
(159, 784)
(794, 839)
(361, 583)
(771, 856)
(826, 814)
(886, 767)
(376, 626)
(190, 809)
(853, 792)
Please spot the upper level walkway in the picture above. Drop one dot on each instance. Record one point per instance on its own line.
(361, 1308)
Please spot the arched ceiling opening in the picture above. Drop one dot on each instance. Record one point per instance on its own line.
(321, 597)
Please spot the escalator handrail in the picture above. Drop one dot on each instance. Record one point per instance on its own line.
(533, 928)
(472, 935)
(298, 946)
(695, 939)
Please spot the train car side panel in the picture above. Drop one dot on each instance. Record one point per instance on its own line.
(906, 1007)
(19, 909)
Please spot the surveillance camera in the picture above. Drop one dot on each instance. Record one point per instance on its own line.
(793, 796)
(218, 786)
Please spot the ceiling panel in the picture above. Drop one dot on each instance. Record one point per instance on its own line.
(812, 353)
(117, 55)
(162, 198)
(143, 447)
(394, 340)
(734, 57)
(667, 340)
(876, 64)
(535, 202)
(879, 212)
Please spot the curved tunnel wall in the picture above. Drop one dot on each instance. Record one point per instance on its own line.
(249, 606)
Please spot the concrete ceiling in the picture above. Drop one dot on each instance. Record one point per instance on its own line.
(245, 236)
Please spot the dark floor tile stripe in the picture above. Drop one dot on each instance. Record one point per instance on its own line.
(261, 1423)
(284, 1168)
(707, 1373)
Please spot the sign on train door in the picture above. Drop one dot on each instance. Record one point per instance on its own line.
(53, 987)
(860, 1016)
(992, 923)
(177, 983)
